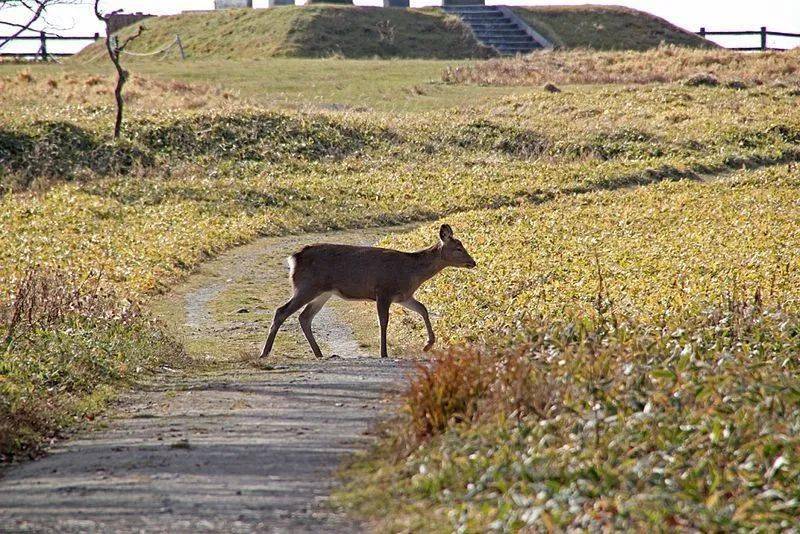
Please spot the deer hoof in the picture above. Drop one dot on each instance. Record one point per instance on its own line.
(427, 347)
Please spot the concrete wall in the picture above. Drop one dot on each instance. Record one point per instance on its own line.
(226, 4)
(120, 20)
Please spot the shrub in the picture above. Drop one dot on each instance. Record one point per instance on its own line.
(62, 338)
(467, 384)
(702, 79)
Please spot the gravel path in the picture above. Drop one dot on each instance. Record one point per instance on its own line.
(236, 449)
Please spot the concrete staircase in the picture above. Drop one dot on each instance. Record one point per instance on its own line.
(496, 26)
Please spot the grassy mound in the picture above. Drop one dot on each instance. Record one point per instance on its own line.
(310, 31)
(606, 28)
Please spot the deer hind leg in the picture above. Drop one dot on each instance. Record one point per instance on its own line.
(418, 307)
(307, 316)
(300, 299)
(383, 319)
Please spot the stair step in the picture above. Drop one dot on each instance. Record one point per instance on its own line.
(505, 37)
(499, 31)
(492, 28)
(493, 15)
(485, 20)
(509, 38)
(508, 42)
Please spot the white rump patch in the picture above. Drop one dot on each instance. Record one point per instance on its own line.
(291, 261)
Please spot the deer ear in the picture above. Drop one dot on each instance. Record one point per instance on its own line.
(445, 232)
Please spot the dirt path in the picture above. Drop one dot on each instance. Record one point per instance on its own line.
(234, 447)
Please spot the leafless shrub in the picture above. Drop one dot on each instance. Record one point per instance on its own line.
(43, 298)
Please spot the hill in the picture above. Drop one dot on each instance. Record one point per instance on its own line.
(606, 28)
(310, 31)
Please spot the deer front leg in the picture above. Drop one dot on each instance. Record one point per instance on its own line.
(383, 319)
(418, 307)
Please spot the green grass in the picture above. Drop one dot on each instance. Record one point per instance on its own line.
(309, 31)
(651, 380)
(606, 28)
(401, 85)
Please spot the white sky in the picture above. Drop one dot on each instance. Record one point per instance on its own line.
(779, 15)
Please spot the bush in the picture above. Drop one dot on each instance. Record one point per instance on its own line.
(702, 80)
(62, 339)
(467, 384)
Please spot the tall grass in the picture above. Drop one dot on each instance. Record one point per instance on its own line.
(603, 424)
(468, 385)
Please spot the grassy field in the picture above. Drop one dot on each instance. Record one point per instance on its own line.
(397, 86)
(642, 369)
(635, 306)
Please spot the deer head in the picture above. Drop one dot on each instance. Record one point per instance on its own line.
(452, 251)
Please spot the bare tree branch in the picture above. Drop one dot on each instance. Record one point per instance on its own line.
(35, 15)
(34, 12)
(130, 38)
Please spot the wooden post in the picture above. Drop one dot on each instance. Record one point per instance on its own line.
(703, 32)
(43, 48)
(763, 37)
(180, 46)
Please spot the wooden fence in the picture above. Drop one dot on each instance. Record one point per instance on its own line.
(763, 33)
(43, 38)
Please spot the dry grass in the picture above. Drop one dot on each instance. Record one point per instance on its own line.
(56, 89)
(690, 423)
(662, 65)
(63, 339)
(467, 384)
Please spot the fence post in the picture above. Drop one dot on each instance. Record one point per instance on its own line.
(180, 46)
(763, 37)
(43, 48)
(703, 32)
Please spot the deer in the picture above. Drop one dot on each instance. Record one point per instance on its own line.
(382, 275)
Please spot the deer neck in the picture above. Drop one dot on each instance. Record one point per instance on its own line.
(430, 262)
